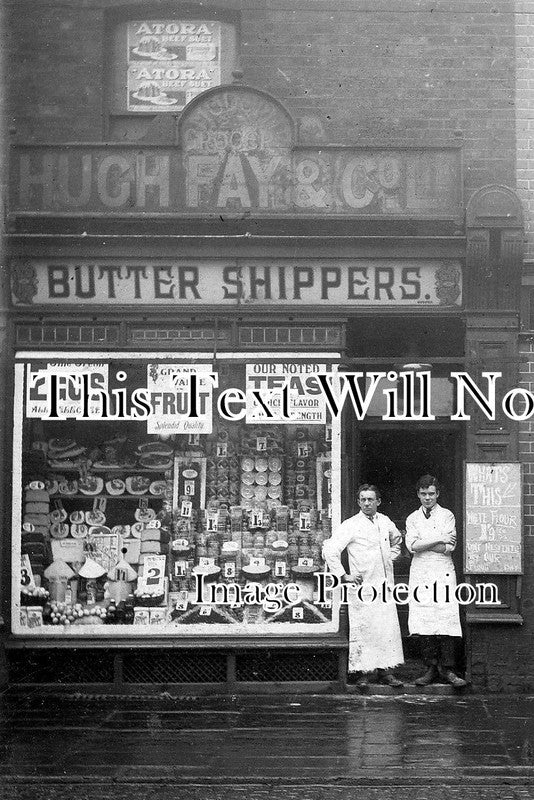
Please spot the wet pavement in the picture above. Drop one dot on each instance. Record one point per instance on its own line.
(300, 747)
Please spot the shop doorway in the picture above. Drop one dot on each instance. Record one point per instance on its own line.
(394, 458)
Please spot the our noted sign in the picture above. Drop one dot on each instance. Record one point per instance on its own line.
(284, 393)
(232, 282)
(493, 519)
(170, 62)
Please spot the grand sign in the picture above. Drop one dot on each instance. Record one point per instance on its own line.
(235, 282)
(236, 154)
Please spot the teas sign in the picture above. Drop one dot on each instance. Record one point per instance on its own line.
(285, 393)
(170, 62)
(493, 518)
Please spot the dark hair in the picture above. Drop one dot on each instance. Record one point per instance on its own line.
(369, 487)
(427, 480)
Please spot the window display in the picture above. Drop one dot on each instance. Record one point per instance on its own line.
(213, 530)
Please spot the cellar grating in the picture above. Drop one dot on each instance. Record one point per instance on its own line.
(173, 666)
(287, 666)
(60, 666)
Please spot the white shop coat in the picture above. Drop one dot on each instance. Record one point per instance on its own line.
(428, 618)
(372, 545)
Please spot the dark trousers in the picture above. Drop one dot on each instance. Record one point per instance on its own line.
(438, 650)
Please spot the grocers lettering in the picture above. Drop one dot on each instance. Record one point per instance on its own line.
(237, 153)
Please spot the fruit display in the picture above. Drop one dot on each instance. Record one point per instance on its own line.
(67, 614)
(33, 596)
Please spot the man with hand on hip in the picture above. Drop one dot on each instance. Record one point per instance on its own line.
(372, 543)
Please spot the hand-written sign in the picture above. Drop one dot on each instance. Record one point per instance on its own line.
(493, 518)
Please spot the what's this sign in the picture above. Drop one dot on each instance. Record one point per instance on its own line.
(237, 153)
(493, 536)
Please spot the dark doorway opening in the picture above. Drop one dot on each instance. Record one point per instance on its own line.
(393, 458)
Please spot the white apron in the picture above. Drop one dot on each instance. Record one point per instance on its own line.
(428, 618)
(374, 632)
(374, 637)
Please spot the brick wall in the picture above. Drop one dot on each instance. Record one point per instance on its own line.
(525, 117)
(406, 71)
(412, 71)
(501, 656)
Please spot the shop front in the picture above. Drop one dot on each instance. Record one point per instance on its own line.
(178, 318)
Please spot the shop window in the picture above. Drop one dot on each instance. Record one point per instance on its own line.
(157, 525)
(159, 63)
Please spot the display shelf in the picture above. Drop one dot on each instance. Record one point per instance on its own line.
(124, 496)
(114, 470)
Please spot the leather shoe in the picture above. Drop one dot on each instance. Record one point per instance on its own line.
(453, 679)
(389, 679)
(428, 677)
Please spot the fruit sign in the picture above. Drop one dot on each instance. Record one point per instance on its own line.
(170, 62)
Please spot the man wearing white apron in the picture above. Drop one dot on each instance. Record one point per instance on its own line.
(433, 614)
(372, 542)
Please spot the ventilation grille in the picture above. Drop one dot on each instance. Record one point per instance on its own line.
(287, 666)
(173, 666)
(164, 666)
(60, 666)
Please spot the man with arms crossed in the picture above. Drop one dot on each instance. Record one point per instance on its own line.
(372, 542)
(431, 538)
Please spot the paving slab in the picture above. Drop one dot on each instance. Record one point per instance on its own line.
(302, 747)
